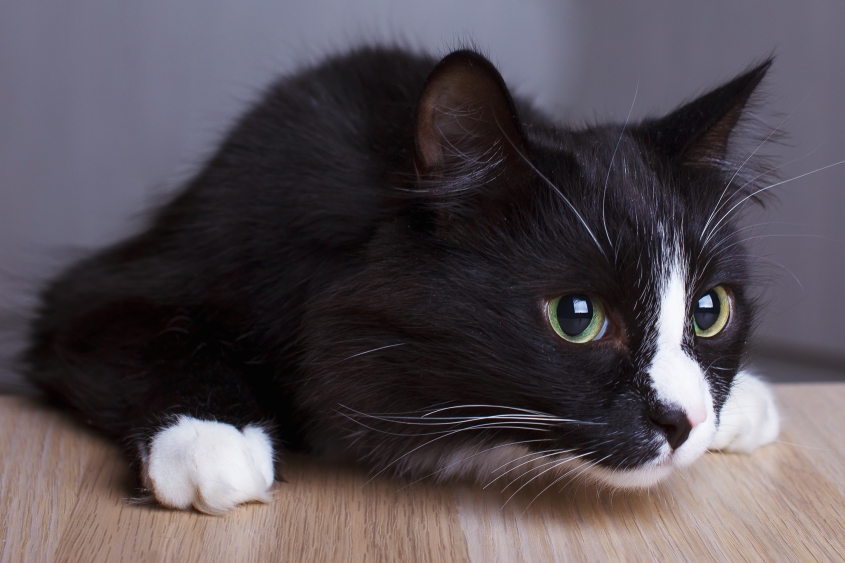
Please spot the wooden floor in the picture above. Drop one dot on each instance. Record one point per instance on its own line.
(63, 489)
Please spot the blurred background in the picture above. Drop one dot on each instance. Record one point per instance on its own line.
(105, 107)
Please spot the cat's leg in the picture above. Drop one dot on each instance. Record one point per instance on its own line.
(177, 389)
(749, 418)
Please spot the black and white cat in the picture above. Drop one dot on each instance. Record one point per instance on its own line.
(390, 260)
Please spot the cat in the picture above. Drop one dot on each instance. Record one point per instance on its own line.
(391, 260)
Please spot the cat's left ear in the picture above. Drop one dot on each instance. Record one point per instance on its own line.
(466, 118)
(698, 133)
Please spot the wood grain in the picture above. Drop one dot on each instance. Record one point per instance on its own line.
(63, 497)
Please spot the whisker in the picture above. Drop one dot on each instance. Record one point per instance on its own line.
(456, 421)
(557, 480)
(610, 166)
(470, 406)
(429, 442)
(368, 352)
(560, 462)
(761, 190)
(741, 166)
(504, 407)
(488, 426)
(802, 446)
(533, 459)
(484, 451)
(554, 187)
(440, 420)
(554, 463)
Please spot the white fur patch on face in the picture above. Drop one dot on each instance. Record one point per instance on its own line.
(209, 465)
(677, 378)
(679, 382)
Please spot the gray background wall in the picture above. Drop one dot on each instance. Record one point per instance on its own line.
(106, 106)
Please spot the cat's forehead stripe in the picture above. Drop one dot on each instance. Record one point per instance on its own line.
(672, 314)
(677, 378)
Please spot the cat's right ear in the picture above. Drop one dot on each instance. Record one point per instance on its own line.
(466, 118)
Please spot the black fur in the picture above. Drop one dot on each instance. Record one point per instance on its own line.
(376, 238)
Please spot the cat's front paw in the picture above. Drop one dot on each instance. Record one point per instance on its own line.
(209, 465)
(749, 418)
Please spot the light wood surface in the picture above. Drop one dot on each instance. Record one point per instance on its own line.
(63, 498)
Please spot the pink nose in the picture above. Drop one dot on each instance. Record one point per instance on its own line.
(697, 416)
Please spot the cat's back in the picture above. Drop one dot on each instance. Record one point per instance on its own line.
(362, 101)
(302, 173)
(322, 146)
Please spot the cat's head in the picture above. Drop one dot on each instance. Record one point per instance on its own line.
(543, 298)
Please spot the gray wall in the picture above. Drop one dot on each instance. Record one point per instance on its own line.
(105, 106)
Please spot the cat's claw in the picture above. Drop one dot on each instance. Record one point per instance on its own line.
(209, 465)
(749, 418)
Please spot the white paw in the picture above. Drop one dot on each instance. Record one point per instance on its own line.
(209, 465)
(749, 418)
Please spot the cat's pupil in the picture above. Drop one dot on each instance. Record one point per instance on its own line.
(574, 313)
(707, 310)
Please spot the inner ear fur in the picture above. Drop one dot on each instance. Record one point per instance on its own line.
(465, 116)
(698, 133)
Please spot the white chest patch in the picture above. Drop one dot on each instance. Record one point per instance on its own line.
(209, 465)
(676, 377)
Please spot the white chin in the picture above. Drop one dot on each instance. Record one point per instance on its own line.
(653, 472)
(660, 467)
(640, 478)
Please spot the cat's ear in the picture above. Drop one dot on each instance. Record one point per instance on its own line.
(698, 133)
(465, 117)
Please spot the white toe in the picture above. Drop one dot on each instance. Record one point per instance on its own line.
(749, 419)
(209, 465)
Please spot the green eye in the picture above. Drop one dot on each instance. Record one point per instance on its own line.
(711, 312)
(577, 317)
